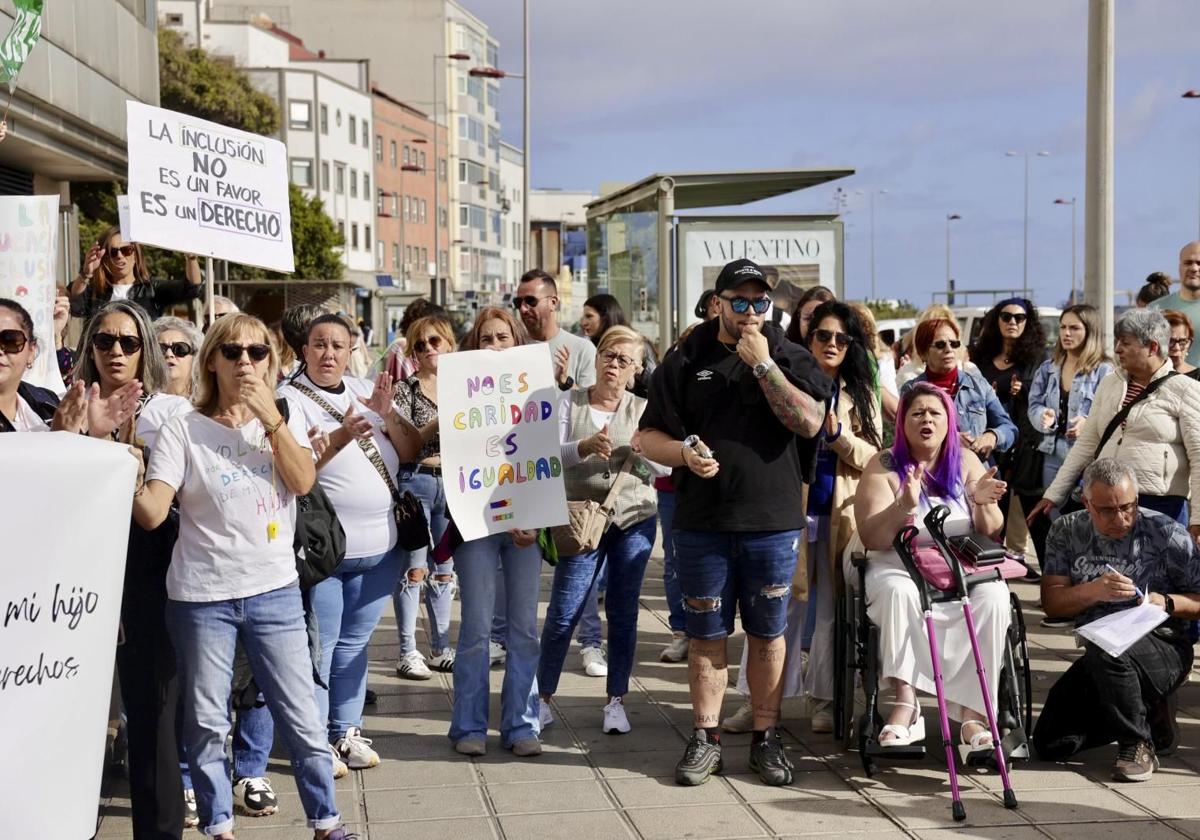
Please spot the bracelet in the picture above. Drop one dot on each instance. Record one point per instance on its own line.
(271, 430)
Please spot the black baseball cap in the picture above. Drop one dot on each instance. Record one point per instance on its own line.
(738, 272)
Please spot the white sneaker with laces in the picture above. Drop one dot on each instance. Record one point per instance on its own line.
(443, 661)
(497, 652)
(412, 666)
(677, 650)
(740, 721)
(545, 713)
(340, 770)
(593, 662)
(615, 719)
(356, 750)
(255, 797)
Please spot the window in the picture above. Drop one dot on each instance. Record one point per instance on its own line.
(424, 259)
(353, 129)
(174, 19)
(366, 185)
(442, 169)
(422, 163)
(444, 215)
(493, 55)
(443, 261)
(302, 172)
(366, 237)
(392, 153)
(300, 114)
(340, 181)
(379, 254)
(366, 134)
(408, 255)
(395, 204)
(406, 208)
(493, 96)
(395, 256)
(496, 224)
(342, 232)
(324, 119)
(424, 218)
(353, 184)
(379, 148)
(354, 236)
(406, 159)
(379, 205)
(324, 174)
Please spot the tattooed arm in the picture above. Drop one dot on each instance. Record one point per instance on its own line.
(796, 410)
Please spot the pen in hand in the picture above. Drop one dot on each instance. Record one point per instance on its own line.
(1139, 592)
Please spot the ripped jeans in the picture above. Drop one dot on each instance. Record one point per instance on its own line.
(722, 572)
(406, 599)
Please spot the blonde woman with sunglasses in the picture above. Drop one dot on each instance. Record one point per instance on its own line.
(114, 269)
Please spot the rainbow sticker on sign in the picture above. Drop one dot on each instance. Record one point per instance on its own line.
(499, 506)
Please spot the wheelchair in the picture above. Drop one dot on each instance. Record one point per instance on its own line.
(856, 661)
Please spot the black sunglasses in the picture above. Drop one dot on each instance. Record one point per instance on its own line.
(434, 341)
(256, 352)
(839, 338)
(180, 349)
(742, 305)
(13, 341)
(953, 343)
(1010, 317)
(124, 250)
(104, 342)
(529, 300)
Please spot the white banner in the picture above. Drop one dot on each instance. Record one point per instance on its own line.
(28, 262)
(498, 421)
(61, 597)
(201, 188)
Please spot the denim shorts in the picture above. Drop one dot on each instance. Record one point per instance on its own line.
(750, 571)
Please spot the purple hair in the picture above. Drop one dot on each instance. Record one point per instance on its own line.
(945, 479)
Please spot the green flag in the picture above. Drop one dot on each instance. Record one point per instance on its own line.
(19, 41)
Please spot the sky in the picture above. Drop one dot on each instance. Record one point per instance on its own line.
(922, 98)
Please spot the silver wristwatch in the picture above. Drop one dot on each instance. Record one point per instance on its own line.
(760, 370)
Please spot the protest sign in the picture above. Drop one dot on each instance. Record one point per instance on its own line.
(20, 41)
(58, 633)
(498, 421)
(28, 257)
(199, 187)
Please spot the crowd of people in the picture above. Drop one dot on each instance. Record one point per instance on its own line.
(763, 457)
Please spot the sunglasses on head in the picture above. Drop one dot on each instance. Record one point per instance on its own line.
(827, 336)
(13, 341)
(742, 305)
(942, 344)
(180, 349)
(256, 352)
(1013, 317)
(124, 251)
(434, 341)
(104, 342)
(529, 300)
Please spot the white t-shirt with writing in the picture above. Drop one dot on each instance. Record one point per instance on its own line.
(355, 488)
(228, 495)
(156, 410)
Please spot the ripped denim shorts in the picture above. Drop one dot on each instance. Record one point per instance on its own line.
(730, 571)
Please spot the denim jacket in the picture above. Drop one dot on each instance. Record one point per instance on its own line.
(1043, 394)
(978, 409)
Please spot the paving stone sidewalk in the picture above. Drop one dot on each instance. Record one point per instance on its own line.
(591, 785)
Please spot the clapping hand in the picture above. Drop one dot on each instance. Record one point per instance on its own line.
(989, 489)
(1049, 415)
(1075, 426)
(598, 444)
(106, 415)
(318, 439)
(984, 444)
(1014, 386)
(380, 400)
(910, 488)
(355, 426)
(831, 424)
(561, 357)
(91, 260)
(62, 314)
(72, 410)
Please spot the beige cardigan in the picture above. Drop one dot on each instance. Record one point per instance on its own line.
(853, 455)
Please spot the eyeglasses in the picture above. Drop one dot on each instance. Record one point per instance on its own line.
(104, 342)
(256, 352)
(529, 300)
(124, 251)
(13, 341)
(180, 349)
(1179, 342)
(434, 341)
(742, 305)
(826, 336)
(1125, 510)
(1013, 317)
(610, 356)
(942, 344)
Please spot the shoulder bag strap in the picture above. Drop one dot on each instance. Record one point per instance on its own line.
(626, 466)
(366, 444)
(1120, 416)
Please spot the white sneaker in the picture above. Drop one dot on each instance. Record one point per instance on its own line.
(740, 721)
(677, 650)
(340, 770)
(356, 750)
(545, 714)
(191, 818)
(615, 719)
(443, 661)
(497, 652)
(412, 666)
(593, 662)
(822, 716)
(255, 797)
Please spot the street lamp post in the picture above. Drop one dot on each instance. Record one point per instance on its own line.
(437, 173)
(1191, 94)
(950, 217)
(1072, 203)
(497, 73)
(873, 194)
(1025, 274)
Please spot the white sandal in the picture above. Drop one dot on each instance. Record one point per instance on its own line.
(903, 734)
(973, 751)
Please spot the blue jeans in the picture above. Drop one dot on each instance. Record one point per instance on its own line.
(626, 551)
(253, 735)
(481, 563)
(348, 605)
(590, 633)
(407, 595)
(747, 571)
(666, 515)
(271, 627)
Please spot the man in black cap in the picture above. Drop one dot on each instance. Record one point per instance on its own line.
(736, 411)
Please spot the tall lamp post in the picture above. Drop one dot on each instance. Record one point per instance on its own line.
(437, 173)
(1025, 274)
(1072, 203)
(950, 217)
(497, 73)
(872, 203)
(1191, 94)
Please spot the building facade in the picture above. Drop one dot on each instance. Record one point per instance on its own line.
(512, 205)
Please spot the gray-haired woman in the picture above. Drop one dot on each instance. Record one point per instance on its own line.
(118, 347)
(178, 340)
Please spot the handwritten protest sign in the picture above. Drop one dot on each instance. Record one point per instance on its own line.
(199, 187)
(28, 256)
(58, 626)
(498, 421)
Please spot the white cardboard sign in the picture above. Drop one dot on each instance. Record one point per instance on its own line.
(201, 188)
(28, 263)
(58, 631)
(498, 421)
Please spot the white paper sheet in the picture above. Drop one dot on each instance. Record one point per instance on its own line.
(1117, 632)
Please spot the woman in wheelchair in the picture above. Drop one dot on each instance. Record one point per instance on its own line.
(928, 466)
